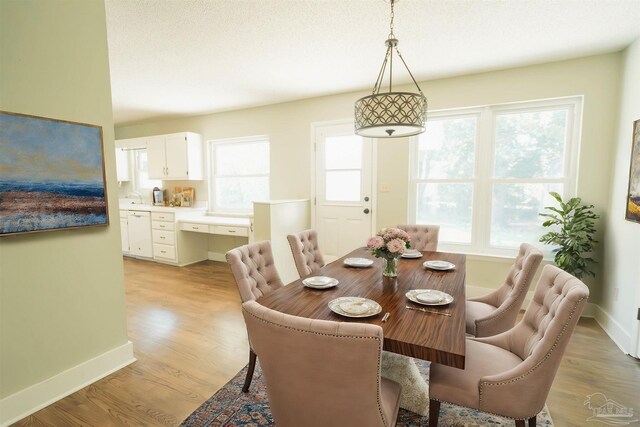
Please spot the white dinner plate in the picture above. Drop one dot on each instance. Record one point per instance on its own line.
(429, 297)
(358, 262)
(412, 253)
(439, 265)
(354, 307)
(320, 282)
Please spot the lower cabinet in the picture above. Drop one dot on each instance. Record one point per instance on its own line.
(124, 231)
(164, 236)
(139, 230)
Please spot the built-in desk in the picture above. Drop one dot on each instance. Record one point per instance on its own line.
(228, 226)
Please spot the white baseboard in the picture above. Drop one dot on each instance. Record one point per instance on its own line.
(31, 399)
(613, 328)
(215, 256)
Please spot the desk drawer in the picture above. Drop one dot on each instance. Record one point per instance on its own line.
(231, 231)
(165, 237)
(161, 225)
(198, 228)
(166, 252)
(162, 216)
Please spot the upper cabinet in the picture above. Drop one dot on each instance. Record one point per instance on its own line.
(122, 165)
(175, 156)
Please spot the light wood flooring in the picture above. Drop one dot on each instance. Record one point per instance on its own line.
(189, 338)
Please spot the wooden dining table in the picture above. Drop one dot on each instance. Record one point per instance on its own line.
(437, 335)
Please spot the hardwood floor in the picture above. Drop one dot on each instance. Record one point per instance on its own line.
(189, 338)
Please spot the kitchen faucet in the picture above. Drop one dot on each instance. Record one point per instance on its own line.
(135, 194)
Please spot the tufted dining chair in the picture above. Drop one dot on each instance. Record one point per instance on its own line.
(321, 373)
(496, 312)
(307, 256)
(256, 275)
(510, 374)
(423, 237)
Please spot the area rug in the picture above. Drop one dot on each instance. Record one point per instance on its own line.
(230, 407)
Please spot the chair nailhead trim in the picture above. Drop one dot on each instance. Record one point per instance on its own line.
(487, 412)
(536, 366)
(384, 421)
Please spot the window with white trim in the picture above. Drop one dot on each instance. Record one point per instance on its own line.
(484, 174)
(239, 173)
(142, 183)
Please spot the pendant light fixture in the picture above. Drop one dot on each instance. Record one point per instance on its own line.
(391, 114)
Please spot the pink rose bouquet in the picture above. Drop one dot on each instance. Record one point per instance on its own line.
(389, 243)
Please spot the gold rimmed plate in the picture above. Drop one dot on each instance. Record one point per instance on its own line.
(429, 297)
(354, 307)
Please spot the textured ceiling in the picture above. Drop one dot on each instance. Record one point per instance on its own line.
(173, 58)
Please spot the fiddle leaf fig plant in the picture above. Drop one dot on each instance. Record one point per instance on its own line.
(572, 227)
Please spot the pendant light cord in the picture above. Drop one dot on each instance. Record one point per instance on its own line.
(392, 43)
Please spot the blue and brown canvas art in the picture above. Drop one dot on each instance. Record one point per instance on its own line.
(51, 175)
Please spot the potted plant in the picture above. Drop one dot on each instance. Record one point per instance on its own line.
(389, 244)
(572, 228)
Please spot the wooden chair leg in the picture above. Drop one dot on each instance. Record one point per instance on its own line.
(252, 367)
(434, 412)
(532, 421)
(520, 423)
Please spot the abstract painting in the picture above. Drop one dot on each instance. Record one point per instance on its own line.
(633, 197)
(51, 175)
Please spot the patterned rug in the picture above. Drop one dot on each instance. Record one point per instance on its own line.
(230, 407)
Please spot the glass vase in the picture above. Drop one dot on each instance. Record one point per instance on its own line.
(390, 267)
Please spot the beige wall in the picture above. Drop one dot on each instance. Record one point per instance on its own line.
(621, 297)
(288, 126)
(62, 293)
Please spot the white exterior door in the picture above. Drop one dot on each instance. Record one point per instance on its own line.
(343, 190)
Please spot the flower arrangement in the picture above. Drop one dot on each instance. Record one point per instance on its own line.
(389, 244)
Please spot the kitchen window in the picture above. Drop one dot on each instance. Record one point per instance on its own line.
(142, 183)
(239, 173)
(484, 174)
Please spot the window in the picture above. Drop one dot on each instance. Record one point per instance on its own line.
(484, 174)
(141, 179)
(239, 173)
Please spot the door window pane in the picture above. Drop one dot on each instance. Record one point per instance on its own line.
(450, 206)
(447, 149)
(530, 145)
(514, 216)
(343, 186)
(343, 152)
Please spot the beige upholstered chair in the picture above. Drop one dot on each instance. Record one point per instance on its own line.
(256, 275)
(496, 312)
(321, 373)
(510, 374)
(423, 237)
(307, 256)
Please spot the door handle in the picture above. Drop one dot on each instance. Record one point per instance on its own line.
(366, 211)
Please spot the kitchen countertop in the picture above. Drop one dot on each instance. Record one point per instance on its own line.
(194, 215)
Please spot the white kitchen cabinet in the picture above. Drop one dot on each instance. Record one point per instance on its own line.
(175, 156)
(122, 165)
(139, 227)
(124, 231)
(164, 239)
